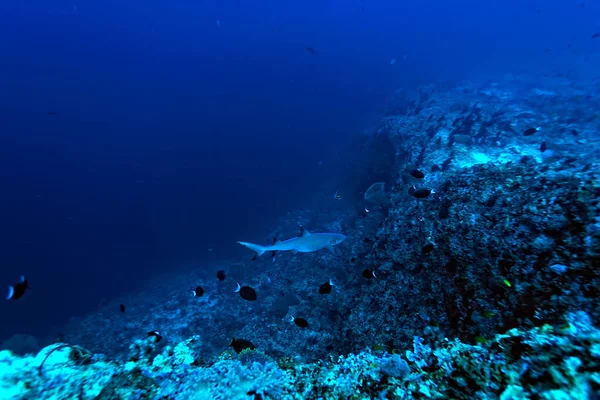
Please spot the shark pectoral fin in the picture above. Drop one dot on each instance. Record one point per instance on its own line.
(273, 253)
(255, 257)
(331, 249)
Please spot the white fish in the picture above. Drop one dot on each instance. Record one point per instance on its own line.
(305, 243)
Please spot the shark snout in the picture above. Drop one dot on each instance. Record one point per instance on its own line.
(337, 239)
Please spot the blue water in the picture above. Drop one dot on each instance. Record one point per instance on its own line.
(137, 136)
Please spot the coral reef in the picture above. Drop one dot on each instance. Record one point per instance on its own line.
(486, 288)
(542, 362)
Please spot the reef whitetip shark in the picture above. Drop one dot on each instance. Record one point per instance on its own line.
(306, 242)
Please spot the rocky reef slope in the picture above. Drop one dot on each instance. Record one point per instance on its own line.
(485, 288)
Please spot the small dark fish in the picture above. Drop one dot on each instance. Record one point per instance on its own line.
(422, 193)
(326, 287)
(122, 307)
(428, 248)
(452, 265)
(221, 275)
(311, 51)
(157, 336)
(198, 292)
(368, 274)
(246, 292)
(18, 290)
(530, 131)
(574, 132)
(417, 174)
(240, 344)
(596, 35)
(543, 147)
(253, 392)
(301, 322)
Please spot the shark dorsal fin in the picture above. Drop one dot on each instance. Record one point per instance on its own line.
(303, 232)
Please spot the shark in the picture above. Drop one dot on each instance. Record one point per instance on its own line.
(306, 242)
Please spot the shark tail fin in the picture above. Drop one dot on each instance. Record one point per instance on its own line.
(258, 249)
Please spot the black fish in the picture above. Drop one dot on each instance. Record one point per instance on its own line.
(326, 287)
(157, 336)
(198, 292)
(368, 274)
(246, 292)
(18, 290)
(422, 193)
(122, 307)
(311, 51)
(253, 392)
(240, 344)
(417, 174)
(428, 248)
(543, 147)
(530, 131)
(301, 322)
(596, 36)
(221, 275)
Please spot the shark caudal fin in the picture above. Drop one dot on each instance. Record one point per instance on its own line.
(254, 247)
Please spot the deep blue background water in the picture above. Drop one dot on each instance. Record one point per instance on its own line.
(135, 135)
